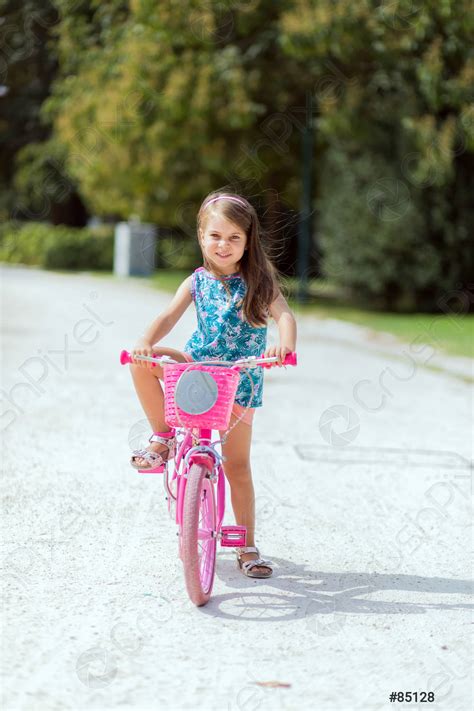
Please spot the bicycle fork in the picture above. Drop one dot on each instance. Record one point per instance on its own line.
(228, 536)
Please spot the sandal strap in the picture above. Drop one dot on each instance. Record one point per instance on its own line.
(248, 549)
(154, 458)
(139, 452)
(249, 564)
(158, 437)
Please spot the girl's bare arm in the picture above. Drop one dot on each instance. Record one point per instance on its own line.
(165, 322)
(286, 323)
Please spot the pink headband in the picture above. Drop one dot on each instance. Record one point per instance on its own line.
(224, 197)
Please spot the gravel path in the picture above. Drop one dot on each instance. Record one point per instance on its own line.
(371, 539)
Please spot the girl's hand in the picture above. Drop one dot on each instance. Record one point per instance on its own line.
(143, 347)
(280, 351)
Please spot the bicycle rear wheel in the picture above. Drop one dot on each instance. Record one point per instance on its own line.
(199, 534)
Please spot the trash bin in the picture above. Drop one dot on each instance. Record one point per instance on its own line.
(134, 248)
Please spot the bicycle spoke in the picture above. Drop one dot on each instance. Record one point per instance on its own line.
(204, 534)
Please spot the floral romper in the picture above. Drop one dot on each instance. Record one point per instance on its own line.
(222, 333)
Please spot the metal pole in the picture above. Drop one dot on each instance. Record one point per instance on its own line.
(304, 233)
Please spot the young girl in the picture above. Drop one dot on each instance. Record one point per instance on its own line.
(234, 292)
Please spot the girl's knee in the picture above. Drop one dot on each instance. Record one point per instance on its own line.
(140, 372)
(238, 471)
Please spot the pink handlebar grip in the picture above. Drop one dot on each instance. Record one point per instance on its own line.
(290, 359)
(125, 358)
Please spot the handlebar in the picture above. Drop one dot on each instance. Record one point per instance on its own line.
(250, 362)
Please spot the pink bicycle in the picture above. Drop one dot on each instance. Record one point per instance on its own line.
(198, 399)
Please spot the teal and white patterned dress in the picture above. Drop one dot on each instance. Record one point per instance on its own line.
(222, 333)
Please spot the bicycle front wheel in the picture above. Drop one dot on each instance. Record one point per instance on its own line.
(199, 534)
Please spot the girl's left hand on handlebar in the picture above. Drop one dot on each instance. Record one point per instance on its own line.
(276, 351)
(145, 348)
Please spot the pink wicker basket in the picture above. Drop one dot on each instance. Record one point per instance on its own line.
(218, 417)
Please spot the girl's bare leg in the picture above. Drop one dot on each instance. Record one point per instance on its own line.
(150, 393)
(239, 475)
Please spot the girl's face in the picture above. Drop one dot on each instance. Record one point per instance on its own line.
(223, 244)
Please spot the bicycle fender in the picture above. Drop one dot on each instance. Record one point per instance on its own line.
(204, 459)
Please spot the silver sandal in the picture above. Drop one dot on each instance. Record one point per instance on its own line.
(247, 566)
(156, 460)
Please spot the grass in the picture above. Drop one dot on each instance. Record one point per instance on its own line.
(454, 335)
(170, 279)
(451, 334)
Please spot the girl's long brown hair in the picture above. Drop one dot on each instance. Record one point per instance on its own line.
(256, 269)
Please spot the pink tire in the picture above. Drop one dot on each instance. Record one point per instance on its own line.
(198, 535)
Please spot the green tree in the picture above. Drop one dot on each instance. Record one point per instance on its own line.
(33, 181)
(154, 104)
(173, 99)
(393, 84)
(26, 70)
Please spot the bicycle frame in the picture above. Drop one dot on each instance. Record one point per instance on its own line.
(199, 495)
(202, 453)
(205, 453)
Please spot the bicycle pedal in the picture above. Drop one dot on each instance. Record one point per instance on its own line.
(147, 471)
(233, 536)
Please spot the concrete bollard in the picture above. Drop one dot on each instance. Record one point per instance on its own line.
(134, 249)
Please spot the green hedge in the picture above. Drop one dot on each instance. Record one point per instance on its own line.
(392, 244)
(57, 246)
(61, 247)
(178, 253)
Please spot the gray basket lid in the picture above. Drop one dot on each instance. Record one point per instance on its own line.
(196, 392)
